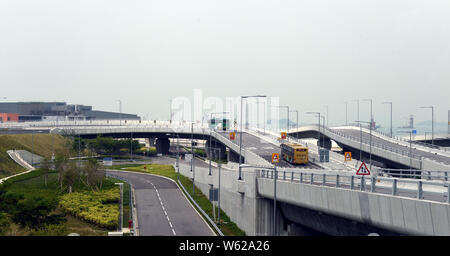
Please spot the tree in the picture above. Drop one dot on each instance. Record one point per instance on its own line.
(60, 161)
(45, 167)
(70, 174)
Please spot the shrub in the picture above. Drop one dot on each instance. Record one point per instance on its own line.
(99, 208)
(5, 222)
(50, 230)
(33, 211)
(9, 202)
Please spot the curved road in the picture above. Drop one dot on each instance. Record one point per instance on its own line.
(162, 209)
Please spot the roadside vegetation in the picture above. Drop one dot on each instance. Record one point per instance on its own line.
(70, 198)
(226, 225)
(107, 146)
(41, 143)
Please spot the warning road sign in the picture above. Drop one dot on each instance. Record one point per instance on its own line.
(283, 135)
(275, 158)
(348, 156)
(363, 170)
(232, 135)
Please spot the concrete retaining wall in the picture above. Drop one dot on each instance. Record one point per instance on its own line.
(399, 214)
(250, 212)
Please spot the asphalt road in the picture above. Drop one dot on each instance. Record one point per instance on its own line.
(162, 209)
(265, 149)
(375, 140)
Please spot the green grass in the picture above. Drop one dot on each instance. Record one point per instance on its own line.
(41, 144)
(226, 225)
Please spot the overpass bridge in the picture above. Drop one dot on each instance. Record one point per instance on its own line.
(394, 152)
(258, 147)
(331, 201)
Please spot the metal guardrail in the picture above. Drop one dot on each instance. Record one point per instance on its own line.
(394, 186)
(201, 210)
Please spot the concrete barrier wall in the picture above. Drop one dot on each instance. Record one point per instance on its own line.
(250, 213)
(403, 215)
(428, 164)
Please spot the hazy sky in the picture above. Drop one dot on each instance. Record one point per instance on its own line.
(310, 53)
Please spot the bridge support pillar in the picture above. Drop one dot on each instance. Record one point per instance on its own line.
(325, 143)
(162, 145)
(215, 153)
(234, 157)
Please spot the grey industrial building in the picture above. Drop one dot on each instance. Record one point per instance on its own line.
(59, 111)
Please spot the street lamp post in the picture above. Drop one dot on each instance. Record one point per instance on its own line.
(240, 133)
(210, 137)
(287, 107)
(410, 147)
(32, 149)
(370, 145)
(120, 206)
(323, 129)
(346, 113)
(389, 102)
(357, 107)
(264, 116)
(318, 131)
(178, 152)
(432, 123)
(170, 119)
(131, 147)
(370, 127)
(296, 121)
(218, 202)
(120, 112)
(192, 159)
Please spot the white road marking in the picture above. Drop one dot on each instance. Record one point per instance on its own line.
(164, 209)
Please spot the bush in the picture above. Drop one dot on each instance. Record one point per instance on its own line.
(99, 208)
(9, 202)
(50, 230)
(33, 211)
(5, 222)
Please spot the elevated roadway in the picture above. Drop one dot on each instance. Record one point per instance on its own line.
(392, 151)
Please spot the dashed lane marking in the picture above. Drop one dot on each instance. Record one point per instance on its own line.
(163, 208)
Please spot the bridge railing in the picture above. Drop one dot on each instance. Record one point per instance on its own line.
(405, 141)
(374, 144)
(405, 152)
(414, 174)
(419, 189)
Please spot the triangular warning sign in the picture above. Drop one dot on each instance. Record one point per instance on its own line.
(363, 170)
